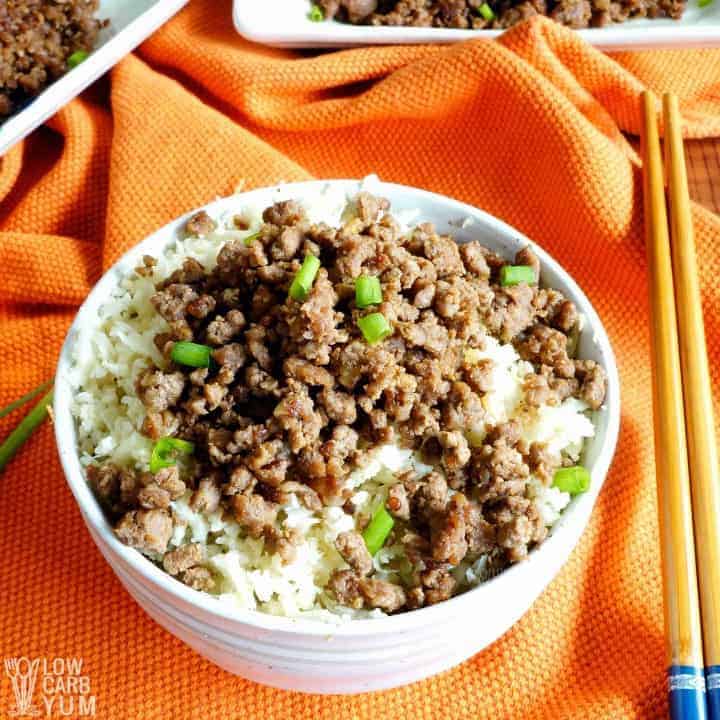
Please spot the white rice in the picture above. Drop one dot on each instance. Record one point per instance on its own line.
(109, 418)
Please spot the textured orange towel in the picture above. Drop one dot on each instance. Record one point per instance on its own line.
(529, 128)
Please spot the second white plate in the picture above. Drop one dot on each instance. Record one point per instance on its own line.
(285, 23)
(130, 22)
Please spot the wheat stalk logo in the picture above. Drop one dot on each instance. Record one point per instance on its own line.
(23, 676)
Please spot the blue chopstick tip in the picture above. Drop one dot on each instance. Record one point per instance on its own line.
(712, 680)
(686, 692)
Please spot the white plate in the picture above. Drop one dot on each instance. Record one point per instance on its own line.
(131, 21)
(284, 23)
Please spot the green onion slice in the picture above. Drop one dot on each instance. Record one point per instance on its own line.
(704, 3)
(486, 11)
(367, 291)
(303, 281)
(76, 58)
(316, 13)
(573, 480)
(375, 534)
(516, 274)
(250, 239)
(166, 450)
(374, 327)
(191, 354)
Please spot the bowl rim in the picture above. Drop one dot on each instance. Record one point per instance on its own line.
(573, 520)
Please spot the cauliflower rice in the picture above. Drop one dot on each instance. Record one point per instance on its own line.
(109, 418)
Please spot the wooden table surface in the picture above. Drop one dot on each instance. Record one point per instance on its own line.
(703, 164)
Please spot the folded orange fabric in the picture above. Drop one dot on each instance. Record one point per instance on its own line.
(528, 128)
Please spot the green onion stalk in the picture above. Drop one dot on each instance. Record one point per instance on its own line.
(573, 480)
(191, 354)
(166, 451)
(25, 429)
(304, 278)
(516, 274)
(378, 529)
(374, 327)
(367, 291)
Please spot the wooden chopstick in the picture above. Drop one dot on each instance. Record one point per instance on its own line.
(697, 392)
(682, 611)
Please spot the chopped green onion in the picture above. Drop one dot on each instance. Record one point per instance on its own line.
(76, 58)
(573, 480)
(367, 291)
(250, 239)
(486, 11)
(24, 430)
(516, 274)
(191, 354)
(316, 13)
(704, 3)
(374, 327)
(379, 527)
(303, 281)
(166, 450)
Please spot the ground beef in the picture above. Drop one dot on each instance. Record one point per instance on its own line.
(382, 594)
(146, 530)
(36, 39)
(479, 376)
(544, 388)
(199, 224)
(546, 346)
(354, 552)
(594, 382)
(565, 316)
(542, 462)
(398, 503)
(345, 587)
(116, 487)
(254, 514)
(159, 390)
(305, 494)
(512, 311)
(224, 328)
(464, 14)
(296, 415)
(339, 406)
(160, 489)
(438, 584)
(295, 398)
(183, 558)
(448, 537)
(206, 499)
(463, 408)
(455, 450)
(480, 535)
(198, 578)
(431, 496)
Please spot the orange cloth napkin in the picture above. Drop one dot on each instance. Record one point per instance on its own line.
(528, 128)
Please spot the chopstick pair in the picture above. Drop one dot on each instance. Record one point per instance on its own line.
(688, 479)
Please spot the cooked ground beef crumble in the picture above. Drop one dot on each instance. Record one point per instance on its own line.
(296, 398)
(466, 14)
(36, 39)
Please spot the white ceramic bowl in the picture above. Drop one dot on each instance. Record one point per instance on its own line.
(361, 655)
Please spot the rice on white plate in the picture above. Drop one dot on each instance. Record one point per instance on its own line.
(110, 416)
